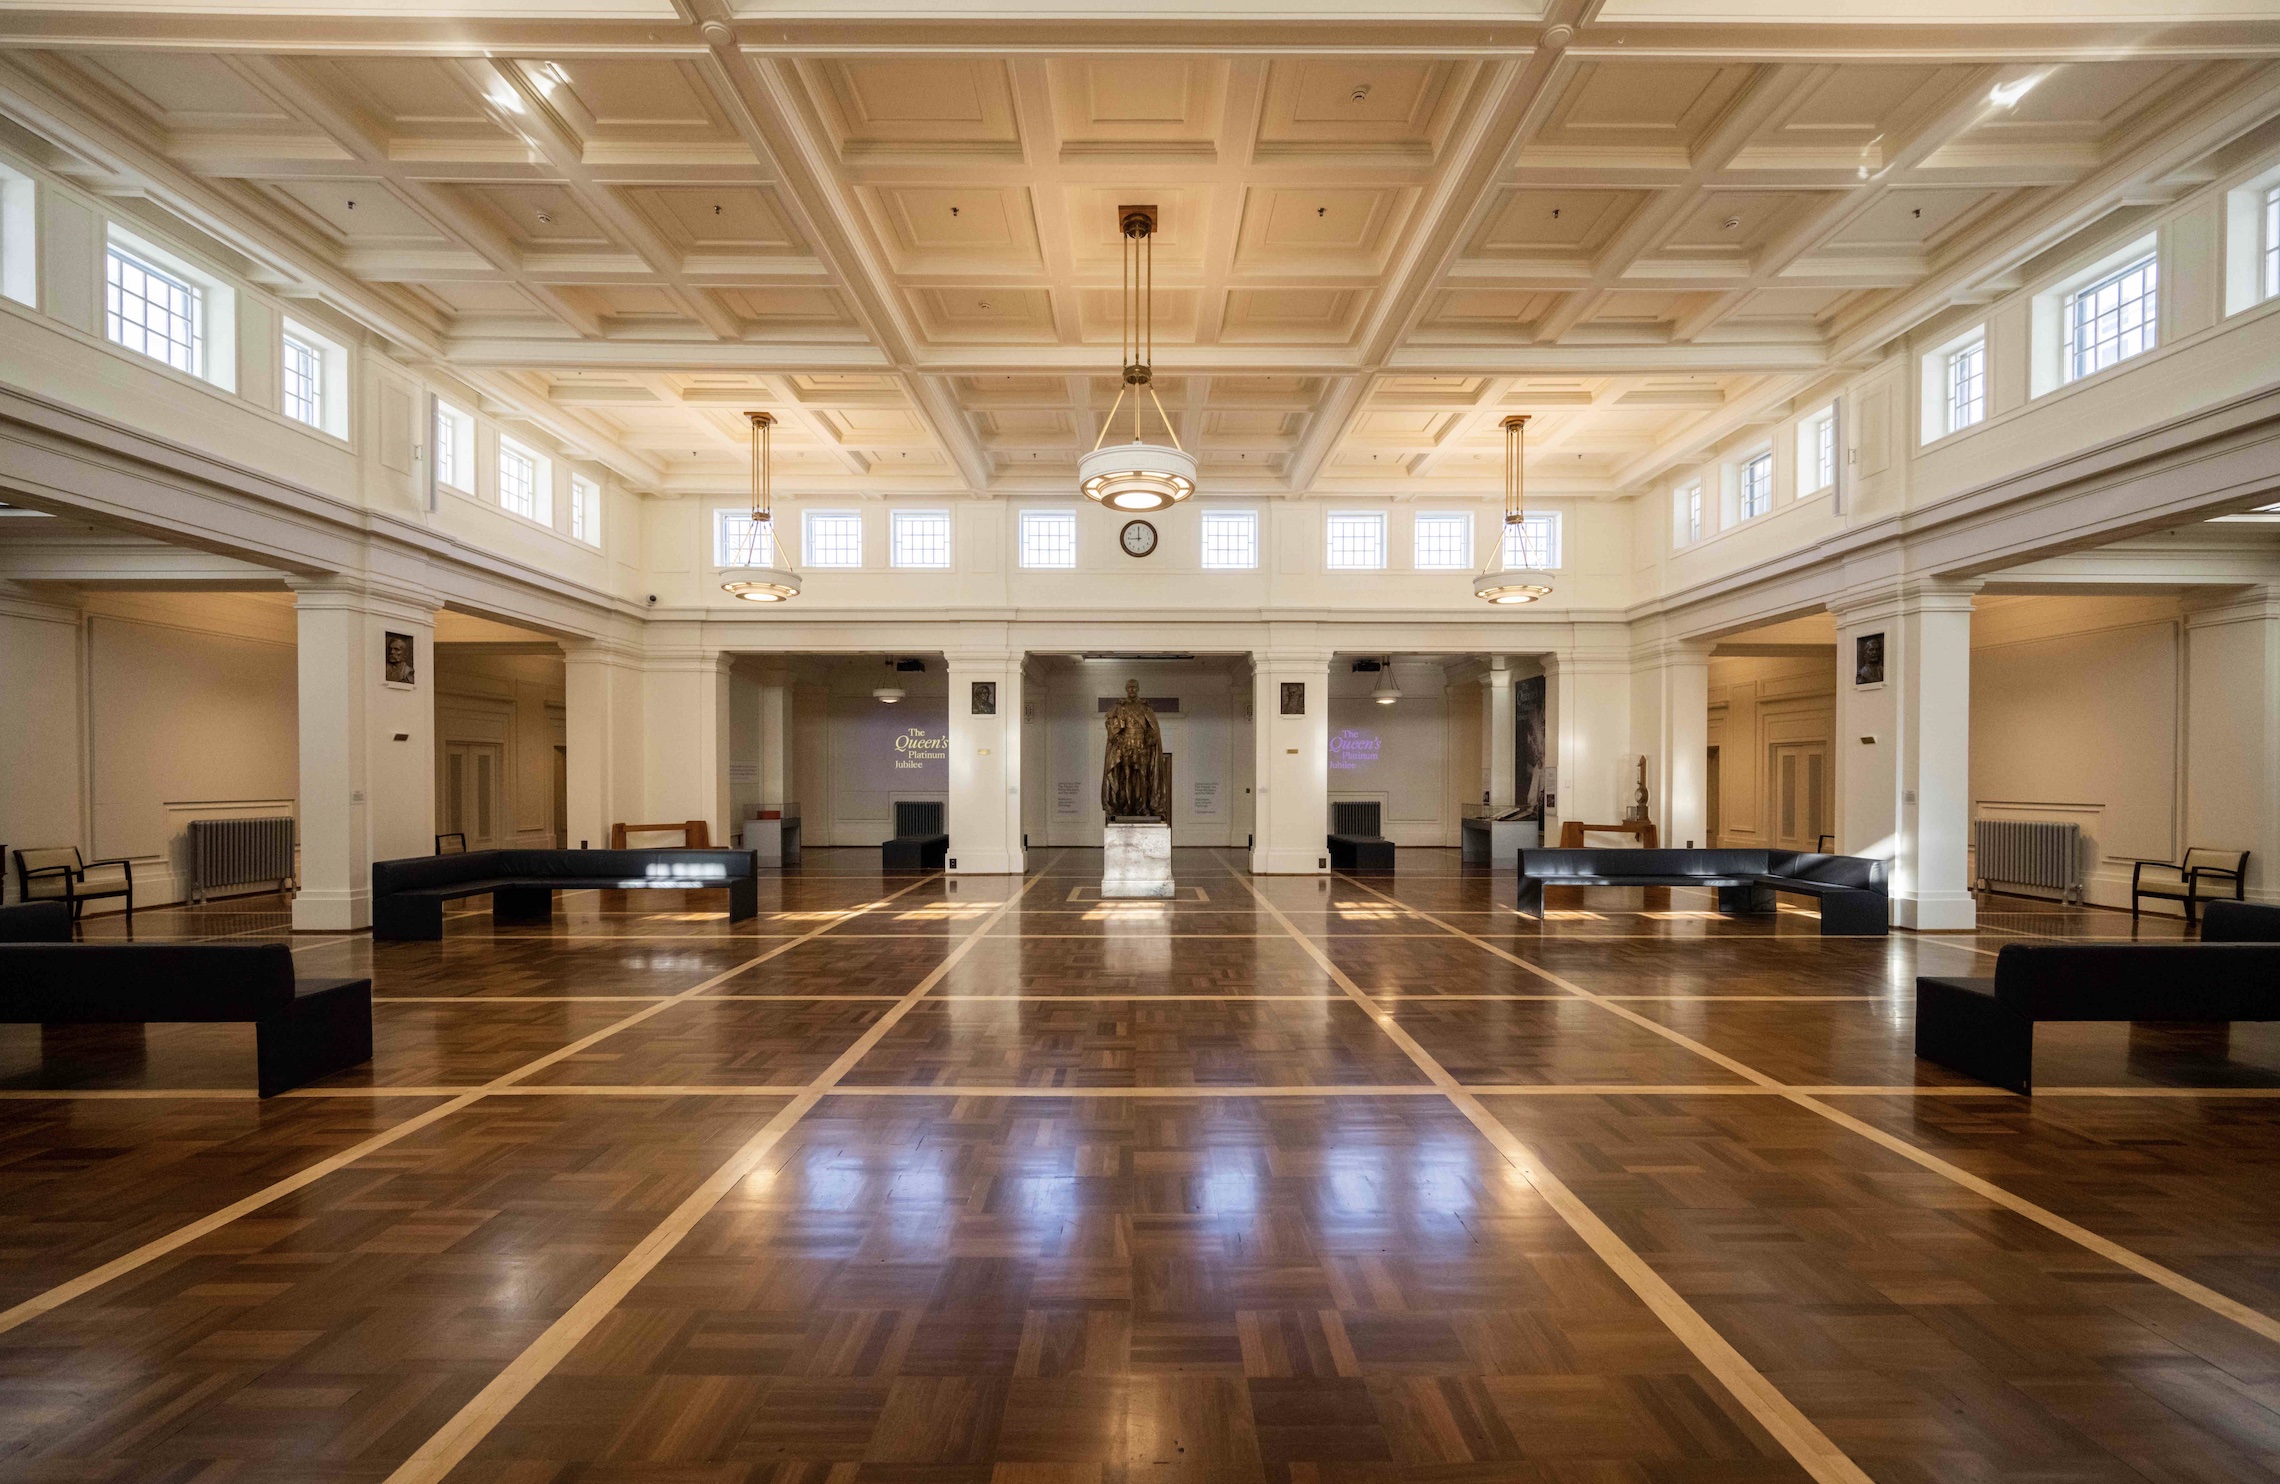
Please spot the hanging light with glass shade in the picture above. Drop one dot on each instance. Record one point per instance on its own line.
(1501, 582)
(1388, 689)
(1137, 476)
(767, 575)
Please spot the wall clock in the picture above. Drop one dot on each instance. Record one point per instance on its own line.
(1138, 538)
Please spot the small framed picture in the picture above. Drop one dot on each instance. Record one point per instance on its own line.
(1868, 659)
(400, 663)
(985, 698)
(1294, 698)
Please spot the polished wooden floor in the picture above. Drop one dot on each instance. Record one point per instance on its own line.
(913, 1181)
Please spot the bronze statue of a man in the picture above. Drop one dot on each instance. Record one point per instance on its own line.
(1128, 782)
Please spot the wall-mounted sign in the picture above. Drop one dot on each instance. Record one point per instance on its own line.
(1294, 698)
(1351, 748)
(1066, 793)
(1868, 660)
(914, 749)
(1206, 799)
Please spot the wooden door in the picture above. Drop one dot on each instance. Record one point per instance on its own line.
(472, 774)
(1800, 791)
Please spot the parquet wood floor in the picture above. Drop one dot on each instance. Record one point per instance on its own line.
(914, 1181)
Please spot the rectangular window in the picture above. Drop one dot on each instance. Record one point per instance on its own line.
(1048, 538)
(922, 539)
(2111, 320)
(1825, 450)
(153, 312)
(2272, 243)
(454, 448)
(834, 538)
(1356, 543)
(1444, 542)
(1757, 486)
(1689, 513)
(526, 483)
(1230, 540)
(19, 238)
(1532, 543)
(304, 381)
(1966, 382)
(585, 510)
(741, 541)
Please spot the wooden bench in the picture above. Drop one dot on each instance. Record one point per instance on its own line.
(1985, 1028)
(914, 853)
(1361, 853)
(303, 1028)
(408, 895)
(1850, 889)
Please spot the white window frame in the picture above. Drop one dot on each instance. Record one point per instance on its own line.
(814, 553)
(332, 378)
(452, 438)
(2050, 347)
(301, 380)
(731, 527)
(2268, 258)
(1936, 383)
(903, 527)
(586, 509)
(2080, 316)
(1817, 452)
(1372, 522)
(1046, 540)
(541, 511)
(19, 238)
(1540, 529)
(1963, 385)
(1686, 512)
(1228, 522)
(129, 272)
(1753, 486)
(1459, 521)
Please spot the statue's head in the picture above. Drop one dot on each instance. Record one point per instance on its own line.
(1132, 690)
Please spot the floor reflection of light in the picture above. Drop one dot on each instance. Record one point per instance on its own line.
(1574, 914)
(825, 915)
(1681, 916)
(1149, 912)
(687, 917)
(958, 913)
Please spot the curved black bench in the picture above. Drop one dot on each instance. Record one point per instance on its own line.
(1851, 888)
(303, 1028)
(35, 922)
(2240, 922)
(914, 853)
(1361, 853)
(1985, 1028)
(408, 895)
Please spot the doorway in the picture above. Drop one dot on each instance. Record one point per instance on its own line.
(561, 798)
(1710, 801)
(1800, 794)
(470, 804)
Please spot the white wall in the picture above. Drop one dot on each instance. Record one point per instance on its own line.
(854, 755)
(1209, 738)
(1407, 756)
(42, 755)
(494, 693)
(1757, 703)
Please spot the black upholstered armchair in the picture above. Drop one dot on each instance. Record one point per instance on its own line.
(55, 873)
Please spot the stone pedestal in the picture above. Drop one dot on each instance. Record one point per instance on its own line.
(1138, 860)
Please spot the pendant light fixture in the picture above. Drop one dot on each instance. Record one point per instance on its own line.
(1137, 476)
(1500, 582)
(1388, 689)
(769, 577)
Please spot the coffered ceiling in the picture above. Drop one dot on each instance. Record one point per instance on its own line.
(1649, 227)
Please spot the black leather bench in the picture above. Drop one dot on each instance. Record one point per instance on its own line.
(914, 853)
(35, 922)
(1851, 889)
(408, 895)
(1361, 853)
(2240, 922)
(1985, 1028)
(303, 1028)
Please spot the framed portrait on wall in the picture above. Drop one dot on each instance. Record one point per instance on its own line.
(1868, 659)
(399, 660)
(985, 698)
(1294, 698)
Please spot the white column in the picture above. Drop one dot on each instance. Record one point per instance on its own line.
(775, 740)
(367, 742)
(1904, 746)
(2232, 730)
(1670, 727)
(686, 749)
(602, 715)
(1290, 832)
(985, 763)
(1499, 745)
(1588, 698)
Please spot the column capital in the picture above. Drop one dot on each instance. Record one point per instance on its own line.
(1664, 651)
(1871, 603)
(342, 590)
(600, 652)
(982, 659)
(2206, 608)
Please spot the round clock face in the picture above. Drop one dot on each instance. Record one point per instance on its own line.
(1139, 538)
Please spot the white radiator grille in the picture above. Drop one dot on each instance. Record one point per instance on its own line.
(232, 852)
(2027, 852)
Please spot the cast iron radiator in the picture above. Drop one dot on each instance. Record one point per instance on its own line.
(1354, 817)
(2029, 853)
(918, 816)
(231, 852)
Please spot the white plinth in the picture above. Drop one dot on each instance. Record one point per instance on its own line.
(1138, 860)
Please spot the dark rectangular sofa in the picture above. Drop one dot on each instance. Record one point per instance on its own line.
(1985, 1028)
(408, 895)
(914, 853)
(1851, 889)
(1360, 853)
(303, 1028)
